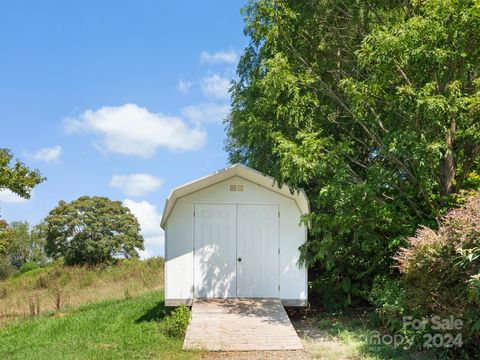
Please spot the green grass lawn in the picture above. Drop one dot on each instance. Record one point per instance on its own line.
(127, 328)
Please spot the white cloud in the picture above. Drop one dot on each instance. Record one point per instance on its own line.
(206, 112)
(9, 197)
(149, 220)
(47, 155)
(222, 56)
(133, 130)
(184, 86)
(136, 184)
(215, 86)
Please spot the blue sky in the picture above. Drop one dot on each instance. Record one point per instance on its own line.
(123, 99)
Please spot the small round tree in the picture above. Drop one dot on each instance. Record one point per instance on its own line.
(92, 230)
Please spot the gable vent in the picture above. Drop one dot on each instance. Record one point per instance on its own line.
(236, 187)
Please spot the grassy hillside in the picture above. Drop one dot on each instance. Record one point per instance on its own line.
(60, 288)
(114, 329)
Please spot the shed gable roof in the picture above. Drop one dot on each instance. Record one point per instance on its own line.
(242, 171)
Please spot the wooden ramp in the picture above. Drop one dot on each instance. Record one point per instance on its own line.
(240, 325)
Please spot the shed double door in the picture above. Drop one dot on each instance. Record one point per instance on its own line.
(235, 251)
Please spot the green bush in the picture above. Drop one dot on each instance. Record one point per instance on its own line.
(175, 325)
(28, 266)
(6, 269)
(388, 296)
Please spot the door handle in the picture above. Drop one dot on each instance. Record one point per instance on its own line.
(239, 259)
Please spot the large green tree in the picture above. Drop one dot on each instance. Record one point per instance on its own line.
(23, 243)
(17, 177)
(92, 230)
(3, 238)
(422, 83)
(372, 107)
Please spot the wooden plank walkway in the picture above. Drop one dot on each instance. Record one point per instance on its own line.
(240, 325)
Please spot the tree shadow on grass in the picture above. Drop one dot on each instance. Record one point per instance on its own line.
(156, 313)
(357, 332)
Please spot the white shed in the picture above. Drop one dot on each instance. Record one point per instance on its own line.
(234, 234)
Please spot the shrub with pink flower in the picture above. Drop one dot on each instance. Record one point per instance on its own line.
(441, 267)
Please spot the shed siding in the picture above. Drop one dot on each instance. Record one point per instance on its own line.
(179, 228)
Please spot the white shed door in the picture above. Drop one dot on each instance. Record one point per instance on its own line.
(257, 251)
(214, 255)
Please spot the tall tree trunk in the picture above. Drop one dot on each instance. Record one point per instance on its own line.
(447, 164)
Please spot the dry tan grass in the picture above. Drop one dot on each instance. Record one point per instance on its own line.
(57, 287)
